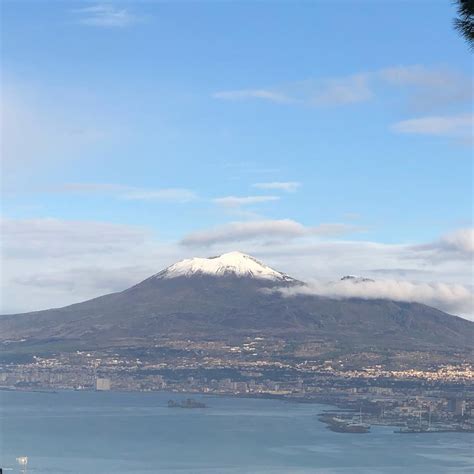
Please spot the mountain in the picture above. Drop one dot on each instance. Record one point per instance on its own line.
(235, 295)
(234, 264)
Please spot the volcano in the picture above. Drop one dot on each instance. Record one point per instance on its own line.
(237, 295)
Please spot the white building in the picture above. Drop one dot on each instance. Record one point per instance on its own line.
(102, 384)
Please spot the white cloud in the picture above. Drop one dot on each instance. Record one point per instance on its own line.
(105, 16)
(288, 186)
(416, 75)
(238, 231)
(341, 91)
(323, 92)
(273, 230)
(447, 297)
(450, 125)
(90, 188)
(53, 262)
(262, 94)
(334, 229)
(170, 194)
(457, 245)
(448, 258)
(90, 279)
(130, 193)
(461, 241)
(431, 88)
(48, 237)
(424, 88)
(237, 201)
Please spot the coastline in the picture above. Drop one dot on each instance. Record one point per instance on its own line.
(336, 409)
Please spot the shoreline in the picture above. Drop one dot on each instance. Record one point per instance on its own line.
(337, 410)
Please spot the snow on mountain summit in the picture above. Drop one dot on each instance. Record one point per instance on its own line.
(232, 263)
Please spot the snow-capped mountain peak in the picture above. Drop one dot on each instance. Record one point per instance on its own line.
(228, 264)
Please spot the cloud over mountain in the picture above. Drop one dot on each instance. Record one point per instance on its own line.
(451, 298)
(57, 261)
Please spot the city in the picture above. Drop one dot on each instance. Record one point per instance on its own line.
(435, 397)
(237, 237)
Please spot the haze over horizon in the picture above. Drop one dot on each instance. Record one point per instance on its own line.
(186, 132)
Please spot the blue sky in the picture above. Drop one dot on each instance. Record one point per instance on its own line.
(203, 126)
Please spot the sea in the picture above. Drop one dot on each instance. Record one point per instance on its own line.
(113, 432)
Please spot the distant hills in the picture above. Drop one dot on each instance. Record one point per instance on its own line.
(231, 296)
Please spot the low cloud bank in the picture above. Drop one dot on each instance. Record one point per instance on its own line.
(452, 298)
(457, 245)
(54, 262)
(461, 241)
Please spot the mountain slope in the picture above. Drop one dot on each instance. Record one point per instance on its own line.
(232, 295)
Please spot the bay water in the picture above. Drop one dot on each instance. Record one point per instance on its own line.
(113, 432)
